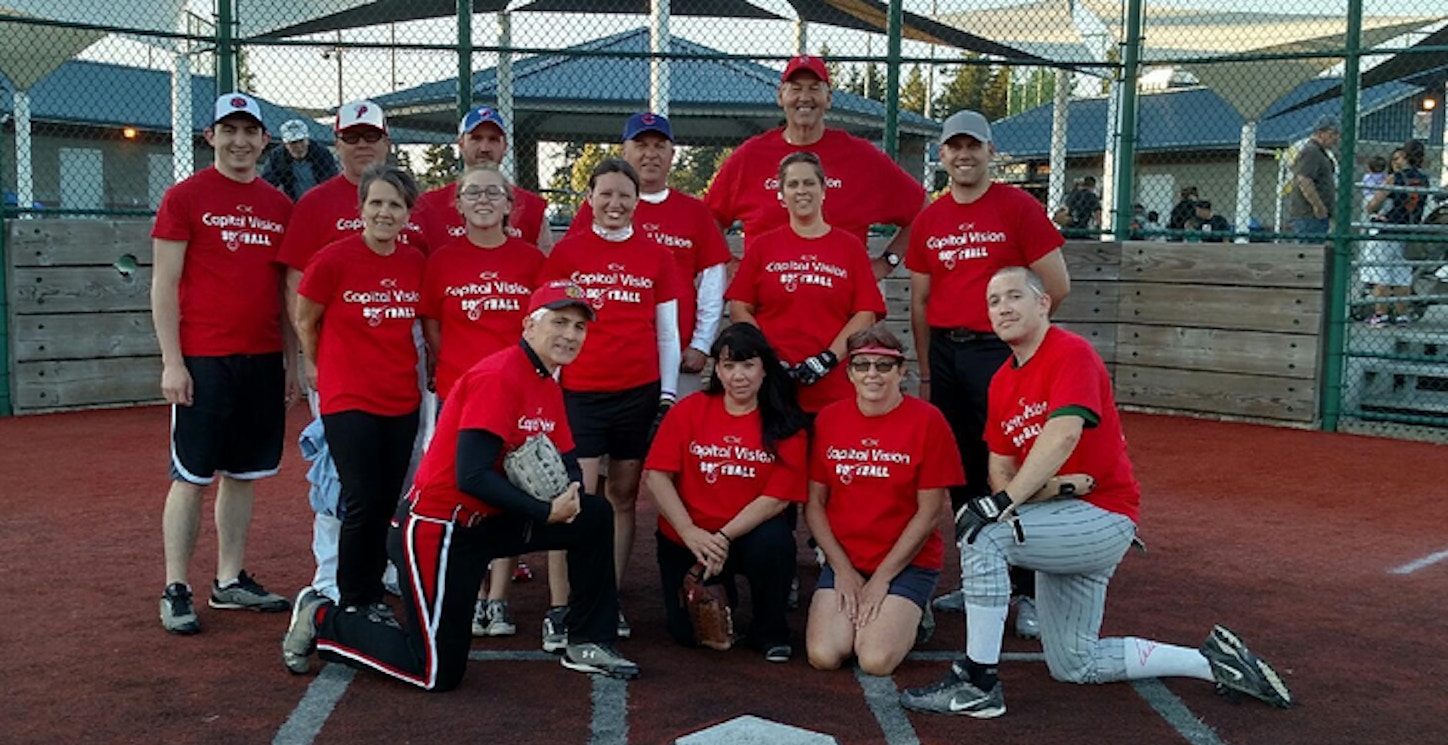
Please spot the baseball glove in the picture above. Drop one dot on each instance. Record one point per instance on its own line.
(708, 607)
(537, 468)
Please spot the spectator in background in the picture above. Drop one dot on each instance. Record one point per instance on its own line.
(1309, 207)
(1085, 205)
(299, 164)
(1183, 210)
(1377, 175)
(1384, 265)
(1214, 227)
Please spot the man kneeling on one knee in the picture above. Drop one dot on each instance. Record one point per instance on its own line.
(464, 512)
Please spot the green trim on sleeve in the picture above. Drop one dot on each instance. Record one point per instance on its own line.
(1075, 410)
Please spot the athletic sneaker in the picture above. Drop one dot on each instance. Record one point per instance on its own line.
(601, 659)
(778, 653)
(493, 619)
(1378, 320)
(950, 602)
(1237, 669)
(301, 637)
(1028, 626)
(246, 593)
(955, 695)
(555, 633)
(177, 613)
(625, 631)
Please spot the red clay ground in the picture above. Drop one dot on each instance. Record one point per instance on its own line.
(1286, 536)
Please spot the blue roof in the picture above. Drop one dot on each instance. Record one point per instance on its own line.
(98, 94)
(1194, 118)
(564, 78)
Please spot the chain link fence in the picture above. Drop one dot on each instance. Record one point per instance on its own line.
(1180, 125)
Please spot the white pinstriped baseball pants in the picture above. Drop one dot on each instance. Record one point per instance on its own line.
(1074, 547)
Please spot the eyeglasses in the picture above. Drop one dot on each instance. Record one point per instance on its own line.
(352, 138)
(881, 366)
(473, 193)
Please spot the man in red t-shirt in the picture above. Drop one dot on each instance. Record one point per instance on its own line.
(217, 305)
(865, 187)
(463, 512)
(482, 138)
(683, 225)
(1052, 410)
(956, 244)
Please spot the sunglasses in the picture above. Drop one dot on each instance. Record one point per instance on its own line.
(881, 366)
(352, 138)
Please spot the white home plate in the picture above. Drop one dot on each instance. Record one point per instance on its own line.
(751, 730)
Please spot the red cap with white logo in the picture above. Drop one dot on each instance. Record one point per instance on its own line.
(560, 294)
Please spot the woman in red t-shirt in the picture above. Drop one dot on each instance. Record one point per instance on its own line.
(807, 286)
(881, 465)
(724, 465)
(474, 297)
(356, 307)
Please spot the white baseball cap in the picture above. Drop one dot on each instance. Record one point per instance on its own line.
(362, 113)
(294, 130)
(235, 103)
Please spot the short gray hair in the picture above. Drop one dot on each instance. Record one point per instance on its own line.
(400, 180)
(1034, 283)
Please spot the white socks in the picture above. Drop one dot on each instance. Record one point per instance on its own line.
(985, 625)
(1148, 659)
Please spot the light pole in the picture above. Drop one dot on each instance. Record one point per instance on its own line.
(335, 52)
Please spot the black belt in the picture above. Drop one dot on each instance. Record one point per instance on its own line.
(959, 335)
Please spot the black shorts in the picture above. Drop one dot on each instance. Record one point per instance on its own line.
(612, 423)
(236, 421)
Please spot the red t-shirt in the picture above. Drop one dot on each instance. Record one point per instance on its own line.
(530, 403)
(1065, 371)
(479, 296)
(683, 225)
(863, 185)
(804, 291)
(230, 291)
(366, 357)
(721, 462)
(437, 213)
(625, 282)
(962, 245)
(327, 214)
(874, 468)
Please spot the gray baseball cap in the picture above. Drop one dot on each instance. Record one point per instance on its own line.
(1327, 123)
(965, 122)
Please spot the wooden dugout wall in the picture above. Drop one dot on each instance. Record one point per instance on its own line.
(1206, 328)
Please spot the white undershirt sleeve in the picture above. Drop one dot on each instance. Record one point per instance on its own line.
(666, 321)
(711, 308)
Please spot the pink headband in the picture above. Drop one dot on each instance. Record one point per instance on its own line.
(882, 351)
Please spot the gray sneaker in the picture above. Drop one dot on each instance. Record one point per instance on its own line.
(956, 696)
(493, 619)
(1028, 626)
(600, 659)
(178, 615)
(950, 602)
(301, 637)
(246, 593)
(555, 633)
(1237, 670)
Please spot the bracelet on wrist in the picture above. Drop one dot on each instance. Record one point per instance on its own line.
(725, 536)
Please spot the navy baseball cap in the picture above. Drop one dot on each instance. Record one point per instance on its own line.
(479, 116)
(647, 121)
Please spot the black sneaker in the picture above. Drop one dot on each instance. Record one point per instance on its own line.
(600, 659)
(177, 613)
(778, 653)
(555, 633)
(246, 593)
(955, 695)
(1238, 670)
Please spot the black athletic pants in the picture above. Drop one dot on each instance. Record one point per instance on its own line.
(765, 556)
(371, 452)
(442, 561)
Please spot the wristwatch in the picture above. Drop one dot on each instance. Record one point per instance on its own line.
(891, 258)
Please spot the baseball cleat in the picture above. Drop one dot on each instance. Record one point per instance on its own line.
(301, 637)
(246, 594)
(1237, 670)
(956, 696)
(555, 633)
(178, 615)
(1028, 626)
(600, 659)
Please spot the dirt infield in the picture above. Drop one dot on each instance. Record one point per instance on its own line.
(1289, 537)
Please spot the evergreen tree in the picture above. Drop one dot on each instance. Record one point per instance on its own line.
(965, 88)
(695, 168)
(440, 165)
(995, 99)
(913, 94)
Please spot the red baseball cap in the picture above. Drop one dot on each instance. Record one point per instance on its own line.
(560, 294)
(806, 63)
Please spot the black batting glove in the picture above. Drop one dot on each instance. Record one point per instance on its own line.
(664, 405)
(979, 512)
(812, 369)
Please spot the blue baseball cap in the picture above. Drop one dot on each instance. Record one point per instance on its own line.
(647, 121)
(480, 115)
